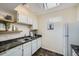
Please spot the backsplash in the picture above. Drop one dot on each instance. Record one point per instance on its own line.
(25, 30)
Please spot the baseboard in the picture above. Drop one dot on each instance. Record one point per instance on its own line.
(52, 51)
(36, 51)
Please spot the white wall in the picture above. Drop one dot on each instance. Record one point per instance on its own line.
(8, 36)
(54, 40)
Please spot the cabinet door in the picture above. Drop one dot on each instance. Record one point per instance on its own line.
(35, 24)
(23, 19)
(17, 51)
(27, 49)
(34, 46)
(38, 43)
(30, 21)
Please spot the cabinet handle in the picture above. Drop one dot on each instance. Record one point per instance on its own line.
(22, 51)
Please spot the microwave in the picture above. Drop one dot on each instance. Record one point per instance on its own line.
(8, 17)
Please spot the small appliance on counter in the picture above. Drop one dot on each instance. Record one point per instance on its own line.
(8, 17)
(34, 34)
(30, 33)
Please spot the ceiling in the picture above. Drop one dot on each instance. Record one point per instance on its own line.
(35, 7)
(38, 7)
(9, 7)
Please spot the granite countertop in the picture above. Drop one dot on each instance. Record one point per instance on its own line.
(9, 44)
(75, 48)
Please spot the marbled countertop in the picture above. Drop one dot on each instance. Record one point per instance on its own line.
(75, 48)
(9, 44)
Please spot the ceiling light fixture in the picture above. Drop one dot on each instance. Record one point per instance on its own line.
(50, 5)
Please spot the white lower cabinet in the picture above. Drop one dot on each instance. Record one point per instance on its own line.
(27, 49)
(34, 46)
(38, 43)
(17, 51)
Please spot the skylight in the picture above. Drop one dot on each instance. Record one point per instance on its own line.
(50, 5)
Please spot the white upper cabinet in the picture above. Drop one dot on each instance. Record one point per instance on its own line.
(30, 21)
(35, 24)
(22, 19)
(25, 19)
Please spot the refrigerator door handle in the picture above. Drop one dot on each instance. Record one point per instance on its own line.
(66, 35)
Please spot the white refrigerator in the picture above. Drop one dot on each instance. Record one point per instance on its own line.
(71, 36)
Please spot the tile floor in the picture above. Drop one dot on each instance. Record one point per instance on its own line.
(44, 52)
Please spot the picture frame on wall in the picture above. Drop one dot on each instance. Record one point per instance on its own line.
(50, 26)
